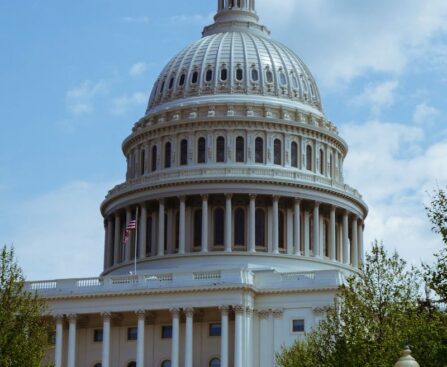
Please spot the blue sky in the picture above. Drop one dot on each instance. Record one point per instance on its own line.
(76, 75)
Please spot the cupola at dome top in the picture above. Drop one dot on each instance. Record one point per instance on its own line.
(236, 15)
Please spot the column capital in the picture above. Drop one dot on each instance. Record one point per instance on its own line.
(141, 314)
(189, 311)
(333, 208)
(224, 310)
(263, 314)
(238, 309)
(161, 201)
(106, 316)
(228, 196)
(298, 200)
(182, 198)
(204, 197)
(277, 313)
(58, 317)
(249, 310)
(174, 311)
(72, 317)
(252, 196)
(275, 197)
(317, 204)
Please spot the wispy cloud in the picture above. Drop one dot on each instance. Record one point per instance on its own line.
(124, 103)
(192, 18)
(136, 19)
(425, 114)
(377, 96)
(80, 99)
(138, 69)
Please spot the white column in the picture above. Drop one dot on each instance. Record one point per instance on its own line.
(332, 253)
(306, 233)
(228, 223)
(361, 245)
(182, 226)
(265, 339)
(128, 245)
(59, 340)
(204, 223)
(105, 362)
(355, 248)
(249, 331)
(252, 224)
(142, 237)
(316, 230)
(238, 340)
(175, 337)
(224, 337)
(189, 312)
(141, 314)
(108, 256)
(161, 228)
(277, 332)
(297, 228)
(117, 242)
(275, 224)
(71, 361)
(346, 238)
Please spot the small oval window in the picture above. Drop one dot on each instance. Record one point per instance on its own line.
(195, 77)
(209, 75)
(282, 78)
(223, 74)
(254, 75)
(182, 80)
(239, 74)
(269, 76)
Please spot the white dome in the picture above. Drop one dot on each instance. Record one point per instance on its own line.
(233, 60)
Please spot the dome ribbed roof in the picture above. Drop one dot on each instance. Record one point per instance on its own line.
(231, 59)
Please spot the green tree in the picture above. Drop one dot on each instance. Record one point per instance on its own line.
(374, 313)
(23, 327)
(436, 275)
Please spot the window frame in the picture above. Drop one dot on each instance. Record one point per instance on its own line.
(132, 333)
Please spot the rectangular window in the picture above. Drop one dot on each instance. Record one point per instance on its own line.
(97, 335)
(298, 326)
(215, 329)
(132, 333)
(166, 332)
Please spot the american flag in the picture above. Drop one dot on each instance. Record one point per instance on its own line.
(130, 227)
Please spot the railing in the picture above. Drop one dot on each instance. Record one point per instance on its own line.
(261, 279)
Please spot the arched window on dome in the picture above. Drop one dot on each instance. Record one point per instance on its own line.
(209, 75)
(321, 162)
(168, 149)
(215, 362)
(197, 238)
(223, 74)
(239, 227)
(269, 76)
(254, 75)
(260, 228)
(171, 83)
(295, 84)
(281, 231)
(219, 216)
(220, 149)
(259, 150)
(309, 158)
(166, 363)
(184, 152)
(282, 78)
(142, 162)
(239, 74)
(240, 149)
(182, 80)
(331, 166)
(162, 87)
(154, 158)
(149, 236)
(201, 150)
(277, 152)
(294, 154)
(195, 77)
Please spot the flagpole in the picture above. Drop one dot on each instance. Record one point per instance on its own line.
(137, 228)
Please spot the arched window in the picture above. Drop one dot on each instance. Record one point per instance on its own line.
(309, 158)
(219, 227)
(239, 74)
(331, 165)
(197, 228)
(166, 232)
(223, 74)
(182, 80)
(201, 150)
(282, 78)
(260, 228)
(215, 362)
(326, 238)
(171, 83)
(184, 152)
(98, 365)
(281, 231)
(321, 162)
(149, 237)
(220, 149)
(259, 150)
(154, 158)
(240, 149)
(277, 148)
(162, 86)
(167, 155)
(166, 363)
(142, 162)
(209, 75)
(239, 227)
(195, 77)
(294, 154)
(254, 75)
(269, 76)
(294, 81)
(132, 364)
(177, 231)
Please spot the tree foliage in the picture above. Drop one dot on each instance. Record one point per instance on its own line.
(23, 329)
(436, 275)
(375, 312)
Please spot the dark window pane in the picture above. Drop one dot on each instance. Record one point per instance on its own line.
(132, 333)
(269, 76)
(149, 237)
(254, 75)
(309, 158)
(215, 329)
(240, 149)
(162, 87)
(259, 150)
(224, 74)
(166, 364)
(166, 332)
(281, 237)
(132, 364)
(220, 149)
(195, 77)
(97, 335)
(167, 155)
(177, 229)
(198, 228)
(219, 227)
(282, 78)
(209, 75)
(298, 326)
(171, 83)
(239, 227)
(277, 152)
(215, 362)
(154, 158)
(201, 151)
(182, 80)
(239, 74)
(260, 228)
(321, 162)
(184, 152)
(294, 153)
(142, 162)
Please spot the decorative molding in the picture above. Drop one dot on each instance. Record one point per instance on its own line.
(141, 314)
(238, 309)
(106, 316)
(278, 313)
(224, 310)
(189, 311)
(263, 314)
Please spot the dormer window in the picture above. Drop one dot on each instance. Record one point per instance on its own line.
(182, 80)
(254, 75)
(162, 87)
(294, 81)
(171, 83)
(269, 76)
(282, 78)
(224, 74)
(209, 75)
(195, 77)
(239, 74)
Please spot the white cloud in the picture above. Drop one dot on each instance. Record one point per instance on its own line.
(124, 103)
(377, 96)
(192, 18)
(425, 114)
(137, 69)
(60, 234)
(341, 40)
(80, 99)
(139, 19)
(394, 169)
